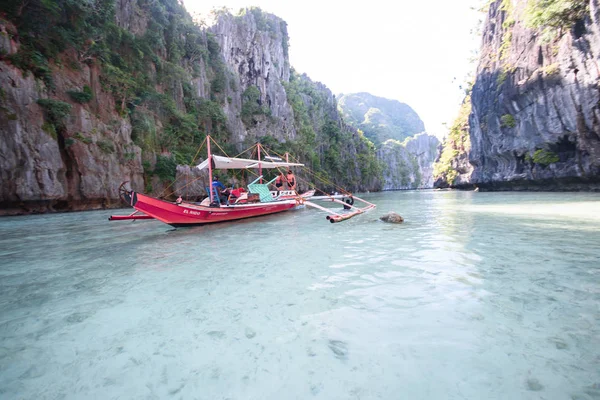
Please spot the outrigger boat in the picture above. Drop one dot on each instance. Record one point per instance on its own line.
(257, 201)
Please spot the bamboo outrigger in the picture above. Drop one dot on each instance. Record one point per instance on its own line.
(336, 217)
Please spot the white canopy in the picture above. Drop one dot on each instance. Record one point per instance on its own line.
(243, 163)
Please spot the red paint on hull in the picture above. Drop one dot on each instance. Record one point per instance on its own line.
(187, 214)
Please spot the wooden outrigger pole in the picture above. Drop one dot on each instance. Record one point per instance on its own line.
(134, 215)
(336, 217)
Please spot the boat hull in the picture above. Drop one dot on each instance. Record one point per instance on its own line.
(185, 214)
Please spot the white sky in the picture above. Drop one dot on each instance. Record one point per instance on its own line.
(417, 52)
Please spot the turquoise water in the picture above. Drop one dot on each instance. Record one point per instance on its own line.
(475, 296)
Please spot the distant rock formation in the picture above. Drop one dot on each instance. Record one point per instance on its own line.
(379, 118)
(408, 164)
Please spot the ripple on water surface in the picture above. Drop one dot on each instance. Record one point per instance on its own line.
(476, 295)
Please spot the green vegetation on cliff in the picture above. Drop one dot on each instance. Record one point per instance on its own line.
(145, 73)
(55, 113)
(47, 28)
(332, 150)
(83, 96)
(251, 105)
(555, 16)
(402, 169)
(151, 60)
(456, 143)
(543, 157)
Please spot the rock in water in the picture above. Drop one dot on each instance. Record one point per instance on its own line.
(392, 217)
(534, 385)
(250, 333)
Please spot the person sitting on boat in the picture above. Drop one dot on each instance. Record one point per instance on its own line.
(290, 179)
(220, 189)
(179, 200)
(279, 181)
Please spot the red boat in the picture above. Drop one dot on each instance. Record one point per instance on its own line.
(257, 201)
(185, 214)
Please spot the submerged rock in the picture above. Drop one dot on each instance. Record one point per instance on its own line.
(339, 348)
(392, 217)
(250, 333)
(534, 385)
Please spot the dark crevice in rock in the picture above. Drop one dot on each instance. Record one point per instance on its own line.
(564, 148)
(579, 29)
(68, 162)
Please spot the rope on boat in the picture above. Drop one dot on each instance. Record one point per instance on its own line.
(315, 175)
(198, 152)
(162, 194)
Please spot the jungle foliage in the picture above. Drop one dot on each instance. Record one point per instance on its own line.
(456, 143)
(144, 73)
(543, 157)
(151, 79)
(554, 17)
(335, 151)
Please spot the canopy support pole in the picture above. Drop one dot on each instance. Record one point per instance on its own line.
(210, 176)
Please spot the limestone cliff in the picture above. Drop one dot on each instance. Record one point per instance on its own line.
(127, 90)
(535, 102)
(254, 48)
(408, 164)
(452, 167)
(47, 163)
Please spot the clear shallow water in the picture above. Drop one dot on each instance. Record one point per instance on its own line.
(475, 296)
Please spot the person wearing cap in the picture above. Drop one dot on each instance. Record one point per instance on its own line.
(290, 179)
(220, 189)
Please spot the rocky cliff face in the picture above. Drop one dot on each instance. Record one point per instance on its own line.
(254, 48)
(408, 164)
(94, 96)
(77, 165)
(379, 118)
(452, 167)
(535, 103)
